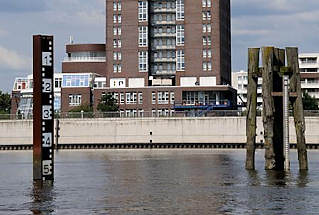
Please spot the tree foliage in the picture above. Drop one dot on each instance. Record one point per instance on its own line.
(309, 103)
(107, 104)
(5, 102)
(84, 107)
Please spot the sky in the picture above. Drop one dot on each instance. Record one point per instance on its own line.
(255, 23)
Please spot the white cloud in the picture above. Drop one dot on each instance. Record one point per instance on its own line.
(11, 60)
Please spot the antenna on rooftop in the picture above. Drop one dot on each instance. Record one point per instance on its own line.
(71, 40)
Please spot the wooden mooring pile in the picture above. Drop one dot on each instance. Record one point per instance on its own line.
(281, 89)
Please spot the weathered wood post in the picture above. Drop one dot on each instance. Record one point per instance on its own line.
(253, 70)
(279, 61)
(298, 112)
(268, 106)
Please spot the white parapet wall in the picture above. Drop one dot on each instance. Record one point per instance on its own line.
(142, 130)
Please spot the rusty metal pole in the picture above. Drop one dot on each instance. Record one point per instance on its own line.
(43, 108)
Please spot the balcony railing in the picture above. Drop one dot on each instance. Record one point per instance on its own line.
(84, 59)
(164, 59)
(164, 34)
(164, 47)
(164, 22)
(163, 10)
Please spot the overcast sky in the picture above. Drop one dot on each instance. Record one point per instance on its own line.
(255, 23)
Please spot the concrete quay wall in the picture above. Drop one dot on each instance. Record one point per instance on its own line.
(144, 130)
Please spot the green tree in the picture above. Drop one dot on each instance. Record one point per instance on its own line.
(309, 103)
(84, 107)
(5, 102)
(107, 104)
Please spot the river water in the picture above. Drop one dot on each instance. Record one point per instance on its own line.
(157, 182)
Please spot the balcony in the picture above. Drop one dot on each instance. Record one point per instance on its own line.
(164, 72)
(163, 34)
(164, 10)
(164, 47)
(164, 60)
(164, 22)
(310, 85)
(84, 59)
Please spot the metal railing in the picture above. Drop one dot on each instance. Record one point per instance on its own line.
(148, 114)
(84, 59)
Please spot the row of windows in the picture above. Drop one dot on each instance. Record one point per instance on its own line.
(164, 17)
(164, 5)
(159, 67)
(75, 99)
(75, 81)
(163, 97)
(164, 54)
(164, 29)
(128, 98)
(164, 42)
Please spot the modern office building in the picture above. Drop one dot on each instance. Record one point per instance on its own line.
(159, 57)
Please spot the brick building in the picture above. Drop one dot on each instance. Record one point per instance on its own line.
(159, 57)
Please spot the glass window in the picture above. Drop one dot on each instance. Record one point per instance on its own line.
(209, 28)
(209, 66)
(114, 68)
(140, 98)
(153, 98)
(114, 31)
(114, 55)
(114, 18)
(204, 28)
(121, 98)
(204, 53)
(142, 61)
(119, 56)
(179, 9)
(75, 80)
(119, 6)
(179, 35)
(119, 19)
(172, 98)
(119, 31)
(180, 63)
(75, 99)
(142, 36)
(142, 11)
(114, 6)
(209, 53)
(209, 16)
(204, 66)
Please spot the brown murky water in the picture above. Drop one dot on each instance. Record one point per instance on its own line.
(157, 182)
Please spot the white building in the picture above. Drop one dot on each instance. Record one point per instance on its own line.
(309, 70)
(240, 82)
(23, 91)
